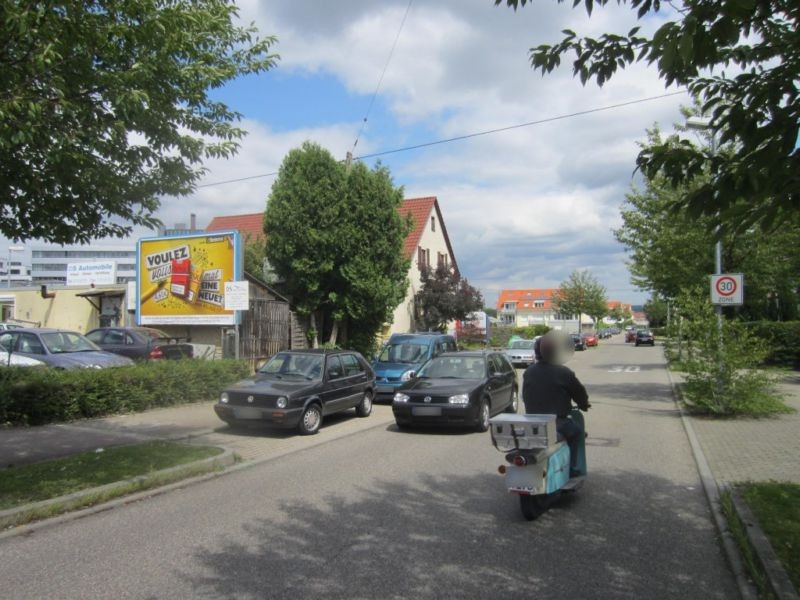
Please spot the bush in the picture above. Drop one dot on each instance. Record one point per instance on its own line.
(722, 368)
(782, 339)
(40, 395)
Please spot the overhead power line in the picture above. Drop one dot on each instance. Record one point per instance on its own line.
(472, 135)
(380, 80)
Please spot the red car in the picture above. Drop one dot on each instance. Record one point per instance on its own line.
(630, 336)
(590, 339)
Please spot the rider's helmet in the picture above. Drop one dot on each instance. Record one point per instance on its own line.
(544, 349)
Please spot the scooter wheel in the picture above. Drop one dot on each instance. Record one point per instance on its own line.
(531, 506)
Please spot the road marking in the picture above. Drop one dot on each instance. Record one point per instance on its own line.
(625, 369)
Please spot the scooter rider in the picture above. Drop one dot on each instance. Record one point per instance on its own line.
(550, 388)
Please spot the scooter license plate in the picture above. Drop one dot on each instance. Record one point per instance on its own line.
(426, 411)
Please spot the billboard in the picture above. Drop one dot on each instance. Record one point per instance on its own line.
(180, 280)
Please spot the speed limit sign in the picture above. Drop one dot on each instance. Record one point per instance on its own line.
(727, 289)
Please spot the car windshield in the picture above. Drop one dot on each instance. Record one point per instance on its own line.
(61, 342)
(522, 345)
(453, 367)
(293, 366)
(403, 352)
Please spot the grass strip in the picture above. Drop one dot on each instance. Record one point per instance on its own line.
(52, 479)
(776, 506)
(748, 555)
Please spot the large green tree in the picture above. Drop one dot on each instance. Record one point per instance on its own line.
(105, 107)
(672, 251)
(335, 239)
(580, 294)
(741, 59)
(443, 297)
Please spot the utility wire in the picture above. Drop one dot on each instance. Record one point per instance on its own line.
(510, 127)
(380, 80)
(472, 135)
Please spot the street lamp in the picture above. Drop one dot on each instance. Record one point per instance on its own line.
(8, 264)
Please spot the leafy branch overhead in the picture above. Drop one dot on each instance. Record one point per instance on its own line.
(105, 108)
(754, 106)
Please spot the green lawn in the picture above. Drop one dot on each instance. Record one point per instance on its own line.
(43, 481)
(777, 508)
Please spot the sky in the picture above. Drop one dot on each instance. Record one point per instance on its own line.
(523, 207)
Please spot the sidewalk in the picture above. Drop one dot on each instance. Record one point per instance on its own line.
(765, 449)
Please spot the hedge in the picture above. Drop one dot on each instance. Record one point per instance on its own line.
(783, 339)
(40, 395)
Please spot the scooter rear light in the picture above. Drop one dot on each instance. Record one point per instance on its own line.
(501, 469)
(520, 461)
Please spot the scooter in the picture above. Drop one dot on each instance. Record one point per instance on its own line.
(538, 468)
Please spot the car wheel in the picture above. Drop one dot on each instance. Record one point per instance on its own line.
(514, 406)
(482, 423)
(364, 408)
(311, 420)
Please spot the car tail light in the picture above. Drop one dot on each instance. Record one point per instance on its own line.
(156, 353)
(520, 461)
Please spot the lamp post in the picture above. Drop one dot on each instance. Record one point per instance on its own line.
(8, 264)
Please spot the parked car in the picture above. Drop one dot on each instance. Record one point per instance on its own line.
(4, 326)
(580, 343)
(630, 336)
(458, 388)
(643, 336)
(298, 388)
(590, 339)
(59, 348)
(139, 342)
(403, 355)
(520, 353)
(18, 360)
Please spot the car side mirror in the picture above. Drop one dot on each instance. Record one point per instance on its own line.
(412, 374)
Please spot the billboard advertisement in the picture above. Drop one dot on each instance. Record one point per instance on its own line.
(181, 280)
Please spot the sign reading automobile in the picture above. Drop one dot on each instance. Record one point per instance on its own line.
(181, 280)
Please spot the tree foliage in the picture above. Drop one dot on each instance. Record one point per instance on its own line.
(105, 107)
(443, 297)
(756, 109)
(671, 251)
(335, 240)
(581, 294)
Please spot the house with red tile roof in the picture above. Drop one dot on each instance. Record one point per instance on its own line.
(428, 243)
(523, 308)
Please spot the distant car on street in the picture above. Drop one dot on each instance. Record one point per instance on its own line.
(520, 353)
(139, 343)
(461, 389)
(630, 336)
(580, 343)
(590, 339)
(298, 388)
(643, 336)
(59, 348)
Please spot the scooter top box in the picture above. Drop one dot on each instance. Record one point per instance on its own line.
(525, 432)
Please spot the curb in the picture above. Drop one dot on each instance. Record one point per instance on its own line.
(779, 582)
(76, 499)
(747, 590)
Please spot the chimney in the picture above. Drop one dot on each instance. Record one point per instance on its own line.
(193, 221)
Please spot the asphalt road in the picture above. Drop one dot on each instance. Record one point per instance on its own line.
(385, 514)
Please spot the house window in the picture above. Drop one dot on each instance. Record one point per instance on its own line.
(509, 305)
(423, 257)
(538, 304)
(433, 223)
(441, 259)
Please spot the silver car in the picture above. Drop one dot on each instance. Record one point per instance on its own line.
(520, 354)
(58, 348)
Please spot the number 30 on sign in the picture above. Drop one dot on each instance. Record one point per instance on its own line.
(727, 289)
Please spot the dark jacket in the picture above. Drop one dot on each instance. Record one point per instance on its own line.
(550, 389)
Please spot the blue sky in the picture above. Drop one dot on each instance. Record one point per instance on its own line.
(523, 208)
